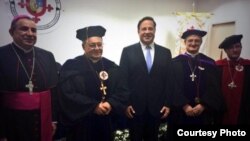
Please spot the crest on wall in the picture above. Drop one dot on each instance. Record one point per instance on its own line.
(46, 13)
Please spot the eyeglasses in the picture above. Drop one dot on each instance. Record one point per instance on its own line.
(94, 45)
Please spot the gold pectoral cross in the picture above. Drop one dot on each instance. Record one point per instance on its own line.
(103, 88)
(192, 76)
(30, 86)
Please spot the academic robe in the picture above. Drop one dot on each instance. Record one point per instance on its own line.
(80, 94)
(204, 89)
(237, 98)
(24, 125)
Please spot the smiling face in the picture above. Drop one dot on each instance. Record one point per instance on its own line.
(93, 47)
(193, 43)
(146, 32)
(24, 33)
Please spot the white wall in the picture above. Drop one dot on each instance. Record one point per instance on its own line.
(231, 10)
(120, 18)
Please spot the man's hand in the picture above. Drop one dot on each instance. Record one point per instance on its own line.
(107, 106)
(103, 108)
(54, 127)
(165, 112)
(188, 110)
(130, 112)
(198, 109)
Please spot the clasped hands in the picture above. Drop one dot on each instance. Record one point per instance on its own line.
(103, 108)
(193, 111)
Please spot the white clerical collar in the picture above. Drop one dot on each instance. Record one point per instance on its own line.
(192, 55)
(24, 50)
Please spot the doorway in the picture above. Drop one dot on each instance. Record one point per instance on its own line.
(217, 34)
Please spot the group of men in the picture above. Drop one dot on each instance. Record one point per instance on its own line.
(91, 92)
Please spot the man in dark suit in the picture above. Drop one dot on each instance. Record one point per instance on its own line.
(149, 82)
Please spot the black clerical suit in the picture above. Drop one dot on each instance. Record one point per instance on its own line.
(20, 125)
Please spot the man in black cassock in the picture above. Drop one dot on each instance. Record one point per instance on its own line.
(235, 81)
(93, 90)
(27, 76)
(199, 98)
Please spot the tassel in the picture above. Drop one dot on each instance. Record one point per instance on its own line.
(221, 53)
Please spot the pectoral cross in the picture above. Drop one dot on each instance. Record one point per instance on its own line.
(103, 88)
(30, 86)
(232, 85)
(192, 76)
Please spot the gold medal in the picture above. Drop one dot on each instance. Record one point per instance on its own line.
(103, 75)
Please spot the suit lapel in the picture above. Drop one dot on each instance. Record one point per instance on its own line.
(157, 58)
(141, 57)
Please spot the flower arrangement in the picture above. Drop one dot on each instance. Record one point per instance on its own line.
(123, 135)
(162, 131)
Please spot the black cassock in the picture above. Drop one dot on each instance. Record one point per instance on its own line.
(20, 125)
(80, 94)
(203, 89)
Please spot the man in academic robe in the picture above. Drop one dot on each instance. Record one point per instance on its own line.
(199, 98)
(27, 76)
(149, 73)
(93, 90)
(235, 82)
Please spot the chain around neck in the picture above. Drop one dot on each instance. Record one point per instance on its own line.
(24, 68)
(232, 75)
(193, 66)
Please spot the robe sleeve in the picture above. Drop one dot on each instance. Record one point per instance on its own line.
(73, 100)
(53, 81)
(179, 100)
(169, 85)
(213, 97)
(244, 117)
(119, 93)
(48, 64)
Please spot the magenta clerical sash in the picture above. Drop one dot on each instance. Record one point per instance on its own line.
(36, 100)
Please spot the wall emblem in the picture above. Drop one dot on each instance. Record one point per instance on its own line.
(45, 13)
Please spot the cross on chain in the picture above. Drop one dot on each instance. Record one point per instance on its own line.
(232, 85)
(30, 86)
(192, 76)
(103, 88)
